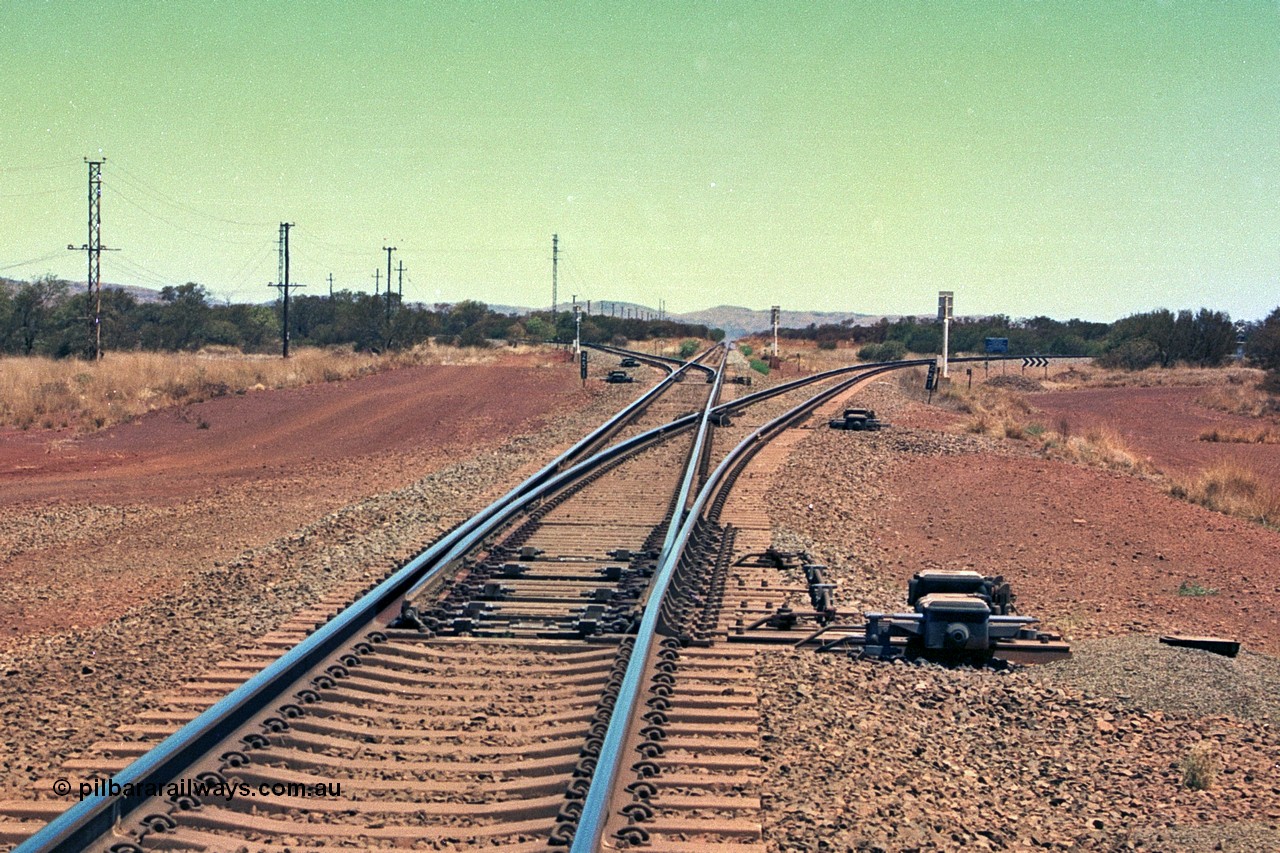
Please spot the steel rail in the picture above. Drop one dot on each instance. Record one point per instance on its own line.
(655, 358)
(94, 816)
(752, 443)
(595, 810)
(567, 477)
(595, 805)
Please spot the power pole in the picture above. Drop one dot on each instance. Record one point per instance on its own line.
(330, 287)
(555, 260)
(377, 282)
(388, 250)
(284, 284)
(94, 249)
(400, 283)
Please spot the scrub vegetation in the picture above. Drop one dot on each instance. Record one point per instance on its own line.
(48, 393)
(44, 317)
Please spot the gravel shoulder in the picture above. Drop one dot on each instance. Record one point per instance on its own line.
(160, 610)
(1065, 756)
(91, 526)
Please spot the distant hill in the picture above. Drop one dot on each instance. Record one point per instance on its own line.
(142, 294)
(738, 322)
(734, 320)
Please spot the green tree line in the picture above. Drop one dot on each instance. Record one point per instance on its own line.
(45, 317)
(1155, 338)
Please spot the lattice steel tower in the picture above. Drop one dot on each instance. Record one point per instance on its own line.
(93, 249)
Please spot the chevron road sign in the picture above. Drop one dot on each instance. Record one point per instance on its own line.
(1036, 361)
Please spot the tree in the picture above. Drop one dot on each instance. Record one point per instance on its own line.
(183, 316)
(1263, 348)
(537, 328)
(31, 310)
(1204, 338)
(1213, 338)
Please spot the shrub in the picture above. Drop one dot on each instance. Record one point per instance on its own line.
(887, 351)
(760, 366)
(747, 349)
(1193, 589)
(1131, 355)
(1199, 768)
(688, 348)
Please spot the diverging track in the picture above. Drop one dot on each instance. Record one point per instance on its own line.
(549, 674)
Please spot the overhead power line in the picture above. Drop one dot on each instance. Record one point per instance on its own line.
(61, 164)
(33, 261)
(34, 193)
(255, 259)
(159, 195)
(196, 233)
(143, 273)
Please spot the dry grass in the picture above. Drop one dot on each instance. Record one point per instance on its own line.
(1153, 377)
(1200, 768)
(992, 410)
(1003, 413)
(1228, 487)
(43, 393)
(1257, 435)
(1232, 488)
(1098, 446)
(1239, 398)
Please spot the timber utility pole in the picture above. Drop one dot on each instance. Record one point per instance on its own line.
(555, 260)
(377, 282)
(400, 282)
(388, 250)
(94, 249)
(284, 284)
(330, 287)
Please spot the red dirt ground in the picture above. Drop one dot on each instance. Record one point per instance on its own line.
(1091, 552)
(168, 454)
(1162, 424)
(196, 485)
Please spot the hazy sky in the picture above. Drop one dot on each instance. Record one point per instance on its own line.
(1085, 159)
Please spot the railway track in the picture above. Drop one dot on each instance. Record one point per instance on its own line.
(551, 674)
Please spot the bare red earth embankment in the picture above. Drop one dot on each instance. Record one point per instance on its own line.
(1093, 552)
(94, 524)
